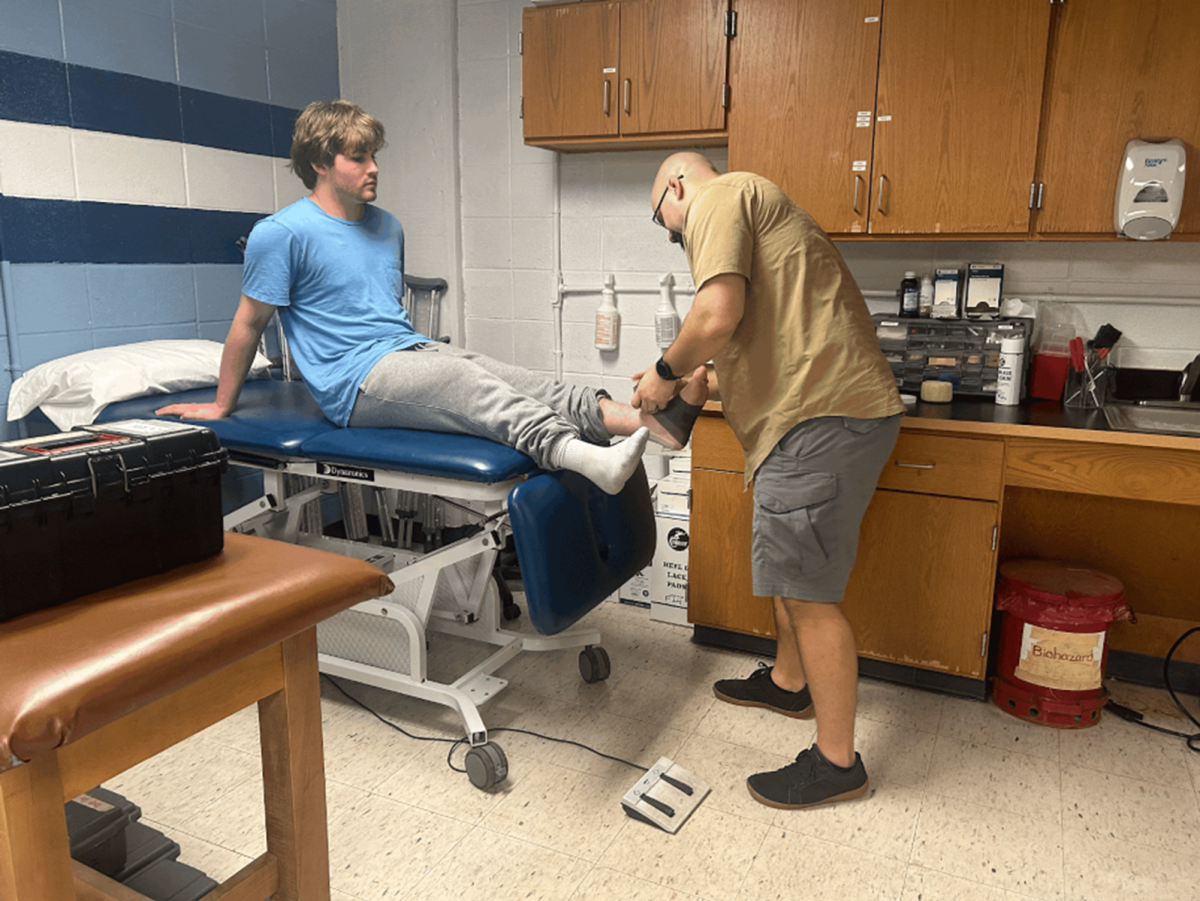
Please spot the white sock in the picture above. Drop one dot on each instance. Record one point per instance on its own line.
(608, 466)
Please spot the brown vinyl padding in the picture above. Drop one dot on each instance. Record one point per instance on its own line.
(69, 670)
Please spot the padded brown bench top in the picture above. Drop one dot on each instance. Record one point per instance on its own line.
(69, 670)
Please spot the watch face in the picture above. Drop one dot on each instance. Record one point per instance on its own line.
(664, 370)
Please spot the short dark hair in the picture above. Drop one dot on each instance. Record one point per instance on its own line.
(328, 127)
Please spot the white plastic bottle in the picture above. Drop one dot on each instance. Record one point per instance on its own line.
(925, 303)
(608, 319)
(666, 320)
(1011, 371)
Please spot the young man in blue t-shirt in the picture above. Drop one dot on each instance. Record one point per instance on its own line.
(332, 264)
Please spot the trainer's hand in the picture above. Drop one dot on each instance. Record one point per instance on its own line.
(653, 393)
(192, 411)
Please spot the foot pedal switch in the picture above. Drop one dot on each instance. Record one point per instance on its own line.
(666, 796)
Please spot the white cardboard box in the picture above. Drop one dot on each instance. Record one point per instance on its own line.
(674, 495)
(637, 590)
(668, 573)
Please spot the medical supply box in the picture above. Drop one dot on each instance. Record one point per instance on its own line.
(88, 509)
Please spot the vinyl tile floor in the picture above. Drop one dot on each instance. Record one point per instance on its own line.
(966, 801)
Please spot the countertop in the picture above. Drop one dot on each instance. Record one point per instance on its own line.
(1033, 419)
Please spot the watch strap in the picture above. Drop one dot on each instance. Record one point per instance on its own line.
(663, 368)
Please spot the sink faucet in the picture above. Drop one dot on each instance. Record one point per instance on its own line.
(1189, 379)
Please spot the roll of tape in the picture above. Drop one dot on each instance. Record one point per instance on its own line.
(937, 392)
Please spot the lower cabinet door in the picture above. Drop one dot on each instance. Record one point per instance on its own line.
(921, 590)
(719, 583)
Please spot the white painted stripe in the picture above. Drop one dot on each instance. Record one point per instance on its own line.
(120, 169)
(36, 161)
(55, 162)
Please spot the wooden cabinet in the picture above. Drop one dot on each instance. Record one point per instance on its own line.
(892, 117)
(921, 591)
(1119, 69)
(803, 79)
(569, 60)
(626, 71)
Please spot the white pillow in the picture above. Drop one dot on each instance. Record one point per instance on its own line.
(73, 390)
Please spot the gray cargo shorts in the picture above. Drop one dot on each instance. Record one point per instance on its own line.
(810, 494)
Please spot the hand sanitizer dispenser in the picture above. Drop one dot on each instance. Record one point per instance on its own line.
(1149, 189)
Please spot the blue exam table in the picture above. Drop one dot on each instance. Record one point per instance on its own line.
(576, 544)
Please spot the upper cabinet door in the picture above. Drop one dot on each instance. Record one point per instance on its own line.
(803, 77)
(673, 59)
(956, 122)
(570, 82)
(1120, 69)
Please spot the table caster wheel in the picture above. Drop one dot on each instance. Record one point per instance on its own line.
(594, 664)
(486, 766)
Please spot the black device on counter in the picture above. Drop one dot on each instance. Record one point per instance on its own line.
(965, 353)
(88, 509)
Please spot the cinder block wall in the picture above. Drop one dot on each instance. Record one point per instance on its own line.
(138, 140)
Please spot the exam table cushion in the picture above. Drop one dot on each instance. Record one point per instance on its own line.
(73, 669)
(281, 419)
(418, 452)
(272, 418)
(587, 544)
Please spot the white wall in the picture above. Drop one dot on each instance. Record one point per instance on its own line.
(508, 228)
(397, 61)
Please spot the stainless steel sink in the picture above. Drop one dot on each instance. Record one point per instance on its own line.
(1166, 417)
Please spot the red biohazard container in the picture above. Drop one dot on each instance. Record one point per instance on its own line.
(1053, 640)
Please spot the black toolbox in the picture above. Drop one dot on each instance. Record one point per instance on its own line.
(97, 824)
(86, 510)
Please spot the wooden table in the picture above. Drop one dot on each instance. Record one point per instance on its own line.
(91, 688)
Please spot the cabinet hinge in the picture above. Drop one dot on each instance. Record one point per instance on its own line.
(983, 646)
(520, 43)
(730, 24)
(724, 95)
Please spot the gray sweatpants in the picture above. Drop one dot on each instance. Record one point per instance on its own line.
(441, 388)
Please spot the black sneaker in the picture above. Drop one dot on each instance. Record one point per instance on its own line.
(758, 690)
(810, 781)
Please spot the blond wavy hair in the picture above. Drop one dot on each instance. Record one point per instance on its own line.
(326, 128)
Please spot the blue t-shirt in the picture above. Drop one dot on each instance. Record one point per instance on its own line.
(338, 285)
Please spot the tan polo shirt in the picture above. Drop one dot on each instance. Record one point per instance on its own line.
(806, 346)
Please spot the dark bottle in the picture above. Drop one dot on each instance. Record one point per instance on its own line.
(910, 295)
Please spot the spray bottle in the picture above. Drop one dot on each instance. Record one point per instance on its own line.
(608, 319)
(666, 320)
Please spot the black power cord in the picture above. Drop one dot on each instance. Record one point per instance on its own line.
(1133, 716)
(455, 742)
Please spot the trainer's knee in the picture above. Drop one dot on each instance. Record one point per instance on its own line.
(809, 611)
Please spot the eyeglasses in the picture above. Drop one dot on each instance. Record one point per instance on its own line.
(657, 217)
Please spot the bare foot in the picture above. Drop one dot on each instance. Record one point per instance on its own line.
(622, 419)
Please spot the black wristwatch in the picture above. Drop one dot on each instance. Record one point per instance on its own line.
(663, 368)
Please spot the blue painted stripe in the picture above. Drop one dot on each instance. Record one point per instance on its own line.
(50, 92)
(66, 231)
(33, 89)
(124, 104)
(230, 123)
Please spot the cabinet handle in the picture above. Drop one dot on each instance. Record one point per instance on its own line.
(607, 92)
(857, 179)
(626, 100)
(916, 465)
(1041, 188)
(1033, 184)
(879, 199)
